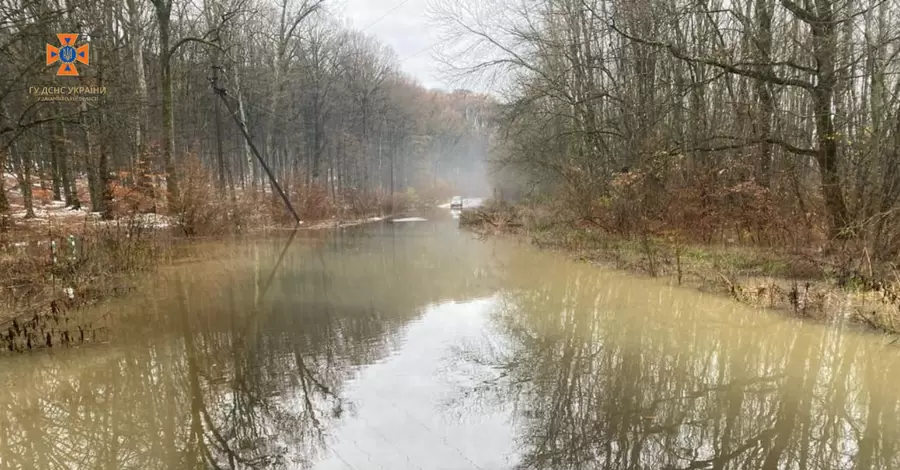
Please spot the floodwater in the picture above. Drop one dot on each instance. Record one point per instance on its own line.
(416, 346)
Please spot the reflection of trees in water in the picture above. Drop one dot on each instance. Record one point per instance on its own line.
(602, 376)
(194, 401)
(213, 371)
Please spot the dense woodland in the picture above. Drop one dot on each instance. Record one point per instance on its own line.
(326, 106)
(771, 121)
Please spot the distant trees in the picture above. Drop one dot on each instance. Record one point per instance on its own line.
(327, 106)
(797, 100)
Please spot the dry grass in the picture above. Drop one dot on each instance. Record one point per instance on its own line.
(807, 282)
(34, 296)
(45, 285)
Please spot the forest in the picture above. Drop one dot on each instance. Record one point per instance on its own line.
(771, 126)
(757, 138)
(152, 122)
(778, 115)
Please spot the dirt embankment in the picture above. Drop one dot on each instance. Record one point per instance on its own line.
(811, 284)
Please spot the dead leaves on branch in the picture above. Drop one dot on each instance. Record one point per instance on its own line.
(493, 218)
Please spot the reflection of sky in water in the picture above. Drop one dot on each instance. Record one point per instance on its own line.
(401, 420)
(352, 344)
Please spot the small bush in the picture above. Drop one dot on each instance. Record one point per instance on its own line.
(200, 210)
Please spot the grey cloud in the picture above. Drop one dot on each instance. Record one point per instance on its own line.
(405, 29)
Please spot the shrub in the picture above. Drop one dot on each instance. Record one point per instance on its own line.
(199, 210)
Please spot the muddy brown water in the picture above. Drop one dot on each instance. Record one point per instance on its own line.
(415, 346)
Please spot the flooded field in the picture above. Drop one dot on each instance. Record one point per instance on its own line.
(415, 346)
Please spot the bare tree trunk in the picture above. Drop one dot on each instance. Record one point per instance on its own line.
(163, 16)
(140, 116)
(4, 201)
(23, 174)
(763, 93)
(91, 167)
(69, 184)
(825, 39)
(248, 155)
(55, 157)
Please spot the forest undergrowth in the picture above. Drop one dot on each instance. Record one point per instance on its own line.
(738, 239)
(59, 261)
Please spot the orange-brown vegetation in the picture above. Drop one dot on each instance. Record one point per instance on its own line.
(43, 196)
(716, 230)
(33, 276)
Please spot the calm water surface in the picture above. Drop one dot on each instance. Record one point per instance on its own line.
(415, 346)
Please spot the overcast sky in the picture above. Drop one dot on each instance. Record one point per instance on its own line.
(404, 26)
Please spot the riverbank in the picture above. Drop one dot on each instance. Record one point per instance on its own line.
(809, 284)
(53, 267)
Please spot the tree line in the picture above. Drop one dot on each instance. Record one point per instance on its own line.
(785, 111)
(327, 105)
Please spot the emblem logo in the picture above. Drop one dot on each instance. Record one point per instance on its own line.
(67, 55)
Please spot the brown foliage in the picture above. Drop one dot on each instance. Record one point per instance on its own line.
(707, 207)
(200, 211)
(44, 196)
(312, 201)
(32, 278)
(133, 200)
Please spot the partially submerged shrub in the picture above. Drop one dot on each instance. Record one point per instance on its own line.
(91, 265)
(493, 216)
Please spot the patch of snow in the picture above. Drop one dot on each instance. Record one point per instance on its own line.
(375, 219)
(38, 212)
(20, 244)
(444, 206)
(155, 220)
(56, 204)
(144, 220)
(410, 219)
(70, 293)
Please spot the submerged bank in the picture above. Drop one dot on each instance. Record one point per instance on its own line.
(48, 280)
(809, 284)
(401, 345)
